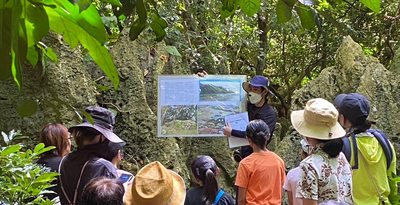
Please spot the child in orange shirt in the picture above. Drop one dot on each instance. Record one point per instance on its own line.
(261, 175)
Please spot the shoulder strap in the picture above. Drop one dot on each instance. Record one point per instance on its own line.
(218, 197)
(348, 148)
(385, 144)
(73, 202)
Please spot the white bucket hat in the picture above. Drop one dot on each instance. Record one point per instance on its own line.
(318, 120)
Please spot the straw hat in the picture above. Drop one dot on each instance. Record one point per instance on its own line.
(156, 185)
(318, 120)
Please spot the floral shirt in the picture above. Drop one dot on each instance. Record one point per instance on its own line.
(323, 178)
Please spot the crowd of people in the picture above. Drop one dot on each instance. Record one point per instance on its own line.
(344, 161)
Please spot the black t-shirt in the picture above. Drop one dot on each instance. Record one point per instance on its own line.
(195, 196)
(52, 162)
(265, 113)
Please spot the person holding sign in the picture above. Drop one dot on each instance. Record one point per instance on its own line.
(258, 109)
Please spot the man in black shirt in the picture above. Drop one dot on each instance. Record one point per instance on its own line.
(257, 108)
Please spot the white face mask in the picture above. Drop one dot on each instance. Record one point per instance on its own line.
(254, 98)
(307, 148)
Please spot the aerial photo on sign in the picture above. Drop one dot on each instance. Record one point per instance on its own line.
(191, 106)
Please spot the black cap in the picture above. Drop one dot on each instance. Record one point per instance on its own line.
(201, 164)
(353, 106)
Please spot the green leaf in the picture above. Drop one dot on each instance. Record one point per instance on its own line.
(250, 7)
(40, 150)
(88, 117)
(50, 54)
(283, 11)
(50, 3)
(74, 33)
(158, 30)
(6, 4)
(173, 51)
(306, 16)
(46, 177)
(228, 5)
(136, 28)
(90, 20)
(38, 147)
(226, 13)
(10, 149)
(160, 21)
(5, 43)
(17, 42)
(374, 5)
(36, 23)
(32, 56)
(83, 4)
(27, 108)
(141, 11)
(113, 2)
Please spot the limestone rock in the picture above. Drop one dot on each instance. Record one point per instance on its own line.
(395, 66)
(58, 88)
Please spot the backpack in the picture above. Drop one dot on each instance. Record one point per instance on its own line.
(394, 198)
(382, 139)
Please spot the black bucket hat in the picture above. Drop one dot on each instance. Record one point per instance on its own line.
(103, 122)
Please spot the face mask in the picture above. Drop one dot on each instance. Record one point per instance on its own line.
(305, 146)
(254, 98)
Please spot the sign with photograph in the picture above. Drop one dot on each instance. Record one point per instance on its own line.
(192, 106)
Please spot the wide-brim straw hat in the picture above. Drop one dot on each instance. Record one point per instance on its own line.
(318, 120)
(156, 185)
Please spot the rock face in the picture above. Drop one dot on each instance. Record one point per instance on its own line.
(353, 72)
(56, 88)
(395, 66)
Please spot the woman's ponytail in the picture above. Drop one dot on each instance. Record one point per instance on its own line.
(205, 169)
(210, 186)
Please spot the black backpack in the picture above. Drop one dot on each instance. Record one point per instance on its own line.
(379, 135)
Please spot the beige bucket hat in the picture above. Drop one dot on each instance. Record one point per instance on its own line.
(156, 185)
(318, 120)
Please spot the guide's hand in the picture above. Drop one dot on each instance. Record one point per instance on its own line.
(227, 130)
(202, 73)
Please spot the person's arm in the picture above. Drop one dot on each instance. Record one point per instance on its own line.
(307, 187)
(104, 168)
(241, 196)
(310, 202)
(228, 131)
(242, 181)
(238, 133)
(290, 197)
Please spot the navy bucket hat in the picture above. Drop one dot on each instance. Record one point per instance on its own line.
(103, 122)
(353, 106)
(256, 81)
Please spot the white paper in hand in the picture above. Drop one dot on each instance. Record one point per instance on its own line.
(237, 122)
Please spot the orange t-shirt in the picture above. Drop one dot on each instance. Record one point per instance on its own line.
(263, 175)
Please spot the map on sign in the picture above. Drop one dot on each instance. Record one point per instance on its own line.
(237, 122)
(192, 106)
